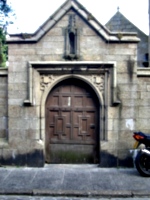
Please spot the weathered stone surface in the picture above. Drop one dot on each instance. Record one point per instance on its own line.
(125, 158)
(143, 124)
(144, 112)
(18, 102)
(3, 133)
(124, 98)
(145, 95)
(18, 77)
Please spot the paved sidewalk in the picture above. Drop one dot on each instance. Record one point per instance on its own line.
(73, 180)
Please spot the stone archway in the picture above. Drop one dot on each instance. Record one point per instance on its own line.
(72, 123)
(100, 76)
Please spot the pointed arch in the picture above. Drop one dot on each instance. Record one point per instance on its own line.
(90, 84)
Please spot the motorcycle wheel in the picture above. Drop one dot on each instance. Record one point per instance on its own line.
(142, 163)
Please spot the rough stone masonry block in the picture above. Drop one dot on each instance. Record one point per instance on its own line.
(113, 112)
(32, 112)
(88, 32)
(128, 94)
(22, 123)
(95, 57)
(125, 78)
(3, 110)
(20, 94)
(3, 86)
(18, 123)
(18, 102)
(55, 32)
(32, 134)
(143, 124)
(145, 95)
(112, 135)
(16, 111)
(34, 158)
(86, 49)
(52, 57)
(3, 133)
(130, 102)
(17, 87)
(124, 144)
(109, 145)
(117, 125)
(18, 133)
(3, 95)
(128, 112)
(3, 123)
(121, 51)
(128, 88)
(51, 39)
(17, 142)
(18, 77)
(55, 49)
(127, 137)
(142, 86)
(24, 51)
(144, 112)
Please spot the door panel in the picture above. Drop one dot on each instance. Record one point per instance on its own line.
(72, 131)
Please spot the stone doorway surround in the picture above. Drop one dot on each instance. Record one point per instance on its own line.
(100, 76)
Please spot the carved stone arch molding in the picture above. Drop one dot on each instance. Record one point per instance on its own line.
(100, 76)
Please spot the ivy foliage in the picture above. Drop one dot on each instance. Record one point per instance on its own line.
(6, 13)
(3, 48)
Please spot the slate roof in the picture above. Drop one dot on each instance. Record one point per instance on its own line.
(80, 10)
(121, 24)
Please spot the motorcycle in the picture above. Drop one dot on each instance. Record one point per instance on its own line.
(142, 159)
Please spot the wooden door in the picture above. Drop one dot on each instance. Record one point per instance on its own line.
(72, 130)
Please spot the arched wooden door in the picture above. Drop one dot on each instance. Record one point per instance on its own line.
(72, 128)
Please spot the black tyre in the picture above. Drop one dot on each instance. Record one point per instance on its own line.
(142, 163)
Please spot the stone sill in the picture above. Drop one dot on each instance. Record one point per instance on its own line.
(3, 71)
(143, 71)
(3, 143)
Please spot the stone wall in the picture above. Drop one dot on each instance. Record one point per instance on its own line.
(143, 113)
(3, 104)
(3, 111)
(25, 144)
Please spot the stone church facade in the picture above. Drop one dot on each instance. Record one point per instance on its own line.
(72, 93)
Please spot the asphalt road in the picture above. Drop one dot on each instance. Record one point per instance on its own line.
(65, 198)
(62, 181)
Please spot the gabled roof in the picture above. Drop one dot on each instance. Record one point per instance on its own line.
(120, 23)
(79, 9)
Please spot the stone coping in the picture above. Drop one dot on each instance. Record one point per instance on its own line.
(141, 71)
(3, 143)
(3, 71)
(127, 37)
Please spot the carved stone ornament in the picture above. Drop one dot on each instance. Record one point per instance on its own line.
(98, 81)
(46, 81)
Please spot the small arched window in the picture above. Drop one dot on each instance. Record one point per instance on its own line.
(72, 43)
